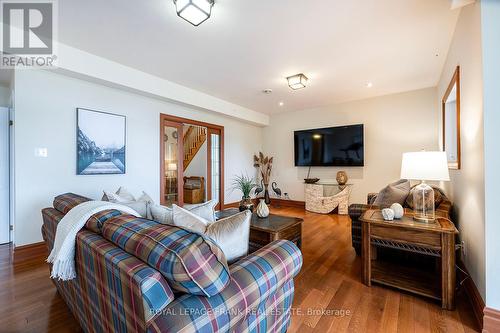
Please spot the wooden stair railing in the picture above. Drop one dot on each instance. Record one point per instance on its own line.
(194, 138)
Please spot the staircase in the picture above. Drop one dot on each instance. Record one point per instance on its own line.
(194, 138)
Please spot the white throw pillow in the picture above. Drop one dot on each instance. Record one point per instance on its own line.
(164, 215)
(145, 197)
(161, 214)
(149, 201)
(140, 207)
(125, 194)
(186, 219)
(232, 235)
(205, 210)
(114, 198)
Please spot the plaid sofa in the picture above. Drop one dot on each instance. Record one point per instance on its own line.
(117, 292)
(357, 210)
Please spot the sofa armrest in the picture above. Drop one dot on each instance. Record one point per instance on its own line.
(370, 198)
(254, 280)
(356, 210)
(444, 209)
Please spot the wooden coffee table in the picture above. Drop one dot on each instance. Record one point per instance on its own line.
(266, 230)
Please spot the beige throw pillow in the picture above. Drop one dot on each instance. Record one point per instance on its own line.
(205, 210)
(232, 235)
(393, 193)
(125, 194)
(185, 219)
(161, 214)
(122, 196)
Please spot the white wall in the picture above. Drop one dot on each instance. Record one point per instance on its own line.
(490, 27)
(393, 124)
(4, 96)
(4, 176)
(466, 188)
(4, 164)
(45, 115)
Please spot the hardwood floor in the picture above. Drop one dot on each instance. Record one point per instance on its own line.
(329, 295)
(329, 285)
(28, 299)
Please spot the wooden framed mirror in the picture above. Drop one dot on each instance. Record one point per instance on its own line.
(451, 121)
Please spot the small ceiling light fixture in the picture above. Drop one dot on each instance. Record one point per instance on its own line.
(281, 103)
(297, 81)
(369, 84)
(194, 11)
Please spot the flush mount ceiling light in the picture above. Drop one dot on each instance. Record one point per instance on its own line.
(194, 11)
(297, 81)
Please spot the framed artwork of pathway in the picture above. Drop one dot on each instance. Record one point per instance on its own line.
(100, 143)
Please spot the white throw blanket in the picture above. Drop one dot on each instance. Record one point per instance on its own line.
(62, 255)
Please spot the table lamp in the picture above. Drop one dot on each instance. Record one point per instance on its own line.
(424, 166)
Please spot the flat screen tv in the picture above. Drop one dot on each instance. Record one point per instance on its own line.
(333, 146)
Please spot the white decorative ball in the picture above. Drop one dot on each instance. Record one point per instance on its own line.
(398, 210)
(388, 214)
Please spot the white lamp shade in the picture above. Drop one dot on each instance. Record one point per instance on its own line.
(425, 165)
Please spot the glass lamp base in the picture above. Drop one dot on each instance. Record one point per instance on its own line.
(424, 219)
(423, 203)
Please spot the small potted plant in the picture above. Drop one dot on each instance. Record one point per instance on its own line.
(244, 184)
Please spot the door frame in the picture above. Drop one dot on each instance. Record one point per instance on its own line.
(180, 154)
(219, 132)
(180, 172)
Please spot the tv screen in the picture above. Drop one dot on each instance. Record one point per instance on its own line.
(333, 146)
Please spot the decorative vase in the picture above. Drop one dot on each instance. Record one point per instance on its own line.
(262, 210)
(342, 178)
(246, 204)
(267, 198)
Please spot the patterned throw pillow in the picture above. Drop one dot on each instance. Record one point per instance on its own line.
(96, 222)
(393, 193)
(67, 201)
(191, 262)
(438, 197)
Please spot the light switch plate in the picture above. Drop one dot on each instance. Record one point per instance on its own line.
(41, 152)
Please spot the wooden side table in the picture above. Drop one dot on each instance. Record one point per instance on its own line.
(435, 239)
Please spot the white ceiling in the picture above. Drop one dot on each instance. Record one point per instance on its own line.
(249, 45)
